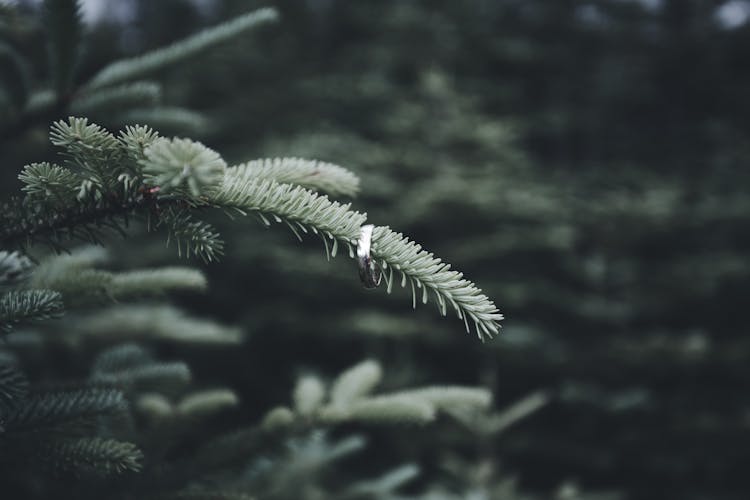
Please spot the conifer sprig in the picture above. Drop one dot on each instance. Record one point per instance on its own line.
(94, 455)
(27, 305)
(182, 164)
(311, 174)
(54, 408)
(349, 399)
(15, 268)
(397, 252)
(118, 98)
(14, 386)
(137, 67)
(301, 210)
(169, 180)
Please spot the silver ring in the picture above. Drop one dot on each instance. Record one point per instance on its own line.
(369, 270)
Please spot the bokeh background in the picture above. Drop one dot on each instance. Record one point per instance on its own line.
(583, 161)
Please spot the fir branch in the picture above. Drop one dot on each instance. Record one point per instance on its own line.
(303, 209)
(120, 357)
(49, 183)
(137, 67)
(79, 137)
(299, 208)
(180, 165)
(496, 423)
(192, 237)
(156, 281)
(197, 178)
(165, 118)
(153, 406)
(310, 174)
(203, 404)
(135, 139)
(277, 418)
(92, 148)
(397, 252)
(386, 485)
(308, 395)
(40, 103)
(27, 305)
(24, 223)
(385, 409)
(54, 408)
(64, 34)
(14, 269)
(71, 275)
(350, 402)
(156, 322)
(54, 269)
(14, 386)
(201, 494)
(119, 98)
(102, 457)
(446, 398)
(355, 383)
(164, 377)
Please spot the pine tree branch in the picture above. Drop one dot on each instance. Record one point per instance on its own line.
(137, 67)
(301, 210)
(152, 376)
(119, 98)
(165, 118)
(397, 252)
(58, 407)
(94, 455)
(144, 282)
(310, 174)
(173, 178)
(155, 322)
(182, 166)
(14, 386)
(14, 269)
(75, 278)
(120, 357)
(355, 383)
(192, 236)
(22, 223)
(28, 305)
(350, 401)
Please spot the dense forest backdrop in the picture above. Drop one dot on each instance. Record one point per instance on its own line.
(584, 161)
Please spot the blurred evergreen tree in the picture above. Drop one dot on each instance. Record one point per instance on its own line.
(585, 158)
(599, 148)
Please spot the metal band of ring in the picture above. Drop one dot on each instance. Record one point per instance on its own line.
(369, 271)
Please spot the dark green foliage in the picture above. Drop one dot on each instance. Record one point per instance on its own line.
(585, 160)
(62, 19)
(14, 80)
(48, 409)
(28, 305)
(103, 457)
(13, 387)
(47, 428)
(169, 181)
(15, 269)
(132, 368)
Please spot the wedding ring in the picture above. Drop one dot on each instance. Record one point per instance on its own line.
(369, 271)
